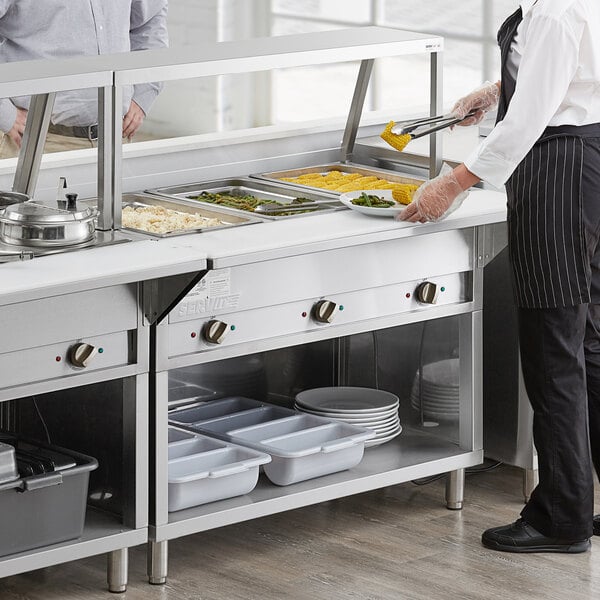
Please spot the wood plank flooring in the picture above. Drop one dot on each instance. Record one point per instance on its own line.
(398, 543)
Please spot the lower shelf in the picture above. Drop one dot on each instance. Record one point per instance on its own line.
(410, 456)
(102, 533)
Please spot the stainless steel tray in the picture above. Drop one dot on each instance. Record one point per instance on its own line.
(227, 217)
(276, 176)
(241, 186)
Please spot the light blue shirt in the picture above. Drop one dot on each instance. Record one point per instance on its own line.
(54, 29)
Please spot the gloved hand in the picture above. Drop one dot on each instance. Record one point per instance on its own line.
(483, 99)
(435, 199)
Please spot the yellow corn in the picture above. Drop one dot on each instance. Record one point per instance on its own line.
(397, 141)
(351, 182)
(402, 193)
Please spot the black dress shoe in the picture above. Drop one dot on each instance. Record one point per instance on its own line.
(522, 537)
(596, 524)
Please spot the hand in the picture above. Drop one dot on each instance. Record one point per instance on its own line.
(440, 196)
(133, 120)
(17, 130)
(482, 100)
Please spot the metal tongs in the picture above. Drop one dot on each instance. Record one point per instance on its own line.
(273, 209)
(417, 128)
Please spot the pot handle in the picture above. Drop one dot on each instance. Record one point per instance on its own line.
(8, 256)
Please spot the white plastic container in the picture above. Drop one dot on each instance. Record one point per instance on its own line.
(203, 469)
(301, 446)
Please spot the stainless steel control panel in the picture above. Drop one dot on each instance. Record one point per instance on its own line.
(209, 332)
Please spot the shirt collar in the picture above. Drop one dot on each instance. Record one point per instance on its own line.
(527, 5)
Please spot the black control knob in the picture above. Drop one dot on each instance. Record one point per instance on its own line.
(80, 355)
(71, 201)
(214, 331)
(427, 292)
(324, 311)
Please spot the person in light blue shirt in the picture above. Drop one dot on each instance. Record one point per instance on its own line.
(55, 29)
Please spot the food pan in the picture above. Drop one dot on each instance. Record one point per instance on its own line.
(203, 469)
(240, 187)
(227, 218)
(46, 508)
(391, 176)
(301, 446)
(8, 463)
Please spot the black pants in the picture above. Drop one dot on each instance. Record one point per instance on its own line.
(560, 356)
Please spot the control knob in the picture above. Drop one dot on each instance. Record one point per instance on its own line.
(81, 354)
(324, 311)
(214, 331)
(427, 292)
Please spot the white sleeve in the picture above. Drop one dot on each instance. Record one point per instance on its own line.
(549, 62)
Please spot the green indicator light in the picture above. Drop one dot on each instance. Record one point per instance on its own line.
(341, 307)
(443, 289)
(232, 328)
(100, 350)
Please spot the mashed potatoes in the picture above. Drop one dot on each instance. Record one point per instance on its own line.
(156, 219)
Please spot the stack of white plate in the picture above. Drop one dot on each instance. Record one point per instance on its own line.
(439, 398)
(365, 407)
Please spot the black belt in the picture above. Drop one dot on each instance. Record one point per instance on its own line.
(89, 133)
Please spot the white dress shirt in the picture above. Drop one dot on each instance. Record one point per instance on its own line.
(556, 60)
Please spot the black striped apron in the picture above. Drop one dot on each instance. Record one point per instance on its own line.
(547, 246)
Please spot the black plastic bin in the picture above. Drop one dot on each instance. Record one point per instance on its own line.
(45, 509)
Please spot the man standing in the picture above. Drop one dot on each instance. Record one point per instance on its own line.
(55, 29)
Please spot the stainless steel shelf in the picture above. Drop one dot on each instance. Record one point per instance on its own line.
(102, 533)
(205, 59)
(260, 54)
(410, 456)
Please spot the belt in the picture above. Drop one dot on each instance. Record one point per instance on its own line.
(89, 133)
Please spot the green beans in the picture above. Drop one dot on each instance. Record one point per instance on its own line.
(246, 202)
(372, 201)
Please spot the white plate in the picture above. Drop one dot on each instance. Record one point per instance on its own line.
(392, 211)
(435, 401)
(376, 441)
(442, 373)
(383, 431)
(348, 400)
(350, 417)
(438, 407)
(436, 395)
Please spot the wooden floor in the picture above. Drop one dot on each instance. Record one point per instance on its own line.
(399, 543)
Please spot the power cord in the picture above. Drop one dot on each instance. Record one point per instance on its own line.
(37, 408)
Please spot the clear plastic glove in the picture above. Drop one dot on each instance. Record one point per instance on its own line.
(482, 100)
(435, 199)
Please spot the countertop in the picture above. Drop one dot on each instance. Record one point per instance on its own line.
(148, 259)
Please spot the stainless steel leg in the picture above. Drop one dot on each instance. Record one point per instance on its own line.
(117, 570)
(158, 562)
(530, 480)
(455, 489)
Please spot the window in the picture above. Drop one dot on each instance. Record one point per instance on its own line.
(400, 83)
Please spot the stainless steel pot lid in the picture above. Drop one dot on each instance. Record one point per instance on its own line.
(36, 212)
(9, 198)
